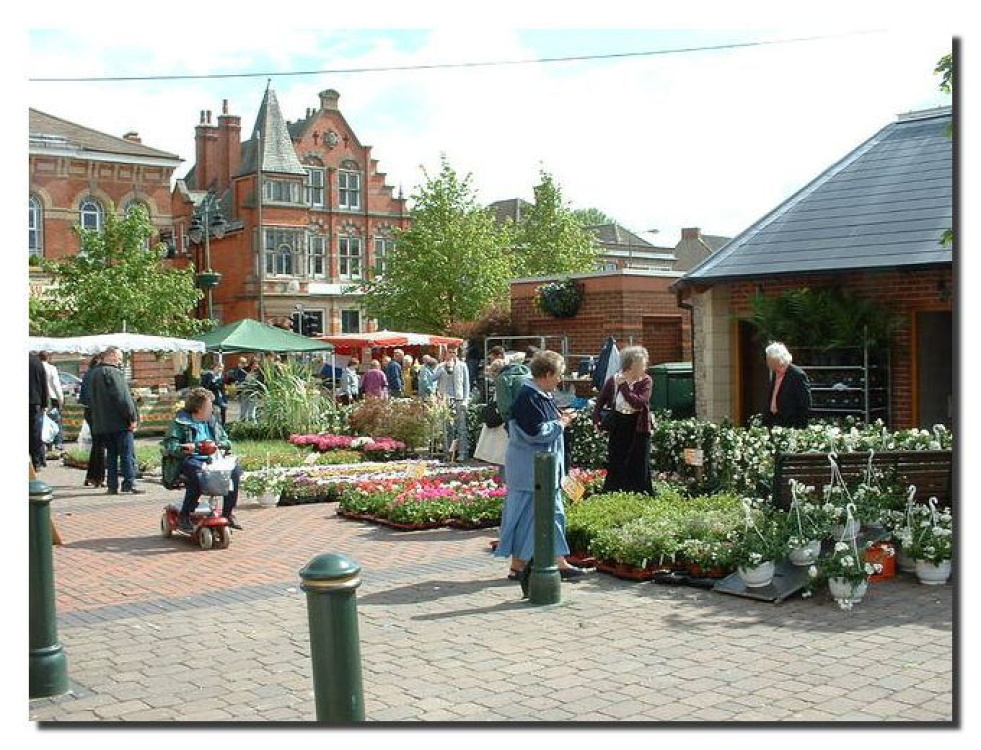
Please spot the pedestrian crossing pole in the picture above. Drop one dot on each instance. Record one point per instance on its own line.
(330, 582)
(544, 583)
(48, 670)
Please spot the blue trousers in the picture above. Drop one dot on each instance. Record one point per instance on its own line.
(120, 459)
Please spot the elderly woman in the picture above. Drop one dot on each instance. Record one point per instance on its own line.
(535, 426)
(628, 395)
(788, 395)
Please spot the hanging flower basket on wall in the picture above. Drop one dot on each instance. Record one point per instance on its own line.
(560, 299)
(207, 279)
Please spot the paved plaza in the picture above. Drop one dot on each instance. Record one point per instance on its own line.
(157, 630)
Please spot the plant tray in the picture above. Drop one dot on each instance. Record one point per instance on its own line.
(788, 579)
(628, 572)
(457, 523)
(582, 561)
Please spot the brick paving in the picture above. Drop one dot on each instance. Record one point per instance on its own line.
(157, 630)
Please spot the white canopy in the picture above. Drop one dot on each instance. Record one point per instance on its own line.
(128, 342)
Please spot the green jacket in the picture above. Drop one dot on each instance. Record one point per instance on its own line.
(180, 432)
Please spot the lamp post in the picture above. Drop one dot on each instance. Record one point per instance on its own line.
(207, 221)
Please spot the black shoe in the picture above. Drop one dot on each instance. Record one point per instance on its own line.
(134, 491)
(571, 573)
(111, 491)
(233, 522)
(184, 524)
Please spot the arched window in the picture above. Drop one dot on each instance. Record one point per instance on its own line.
(90, 214)
(35, 233)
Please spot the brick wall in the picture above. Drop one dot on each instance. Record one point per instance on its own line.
(624, 304)
(905, 292)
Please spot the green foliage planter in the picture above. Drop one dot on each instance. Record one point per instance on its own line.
(560, 299)
(207, 280)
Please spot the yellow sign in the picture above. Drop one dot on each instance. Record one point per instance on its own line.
(573, 488)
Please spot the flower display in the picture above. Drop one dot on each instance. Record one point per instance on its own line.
(376, 448)
(928, 534)
(560, 299)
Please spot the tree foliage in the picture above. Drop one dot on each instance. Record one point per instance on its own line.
(945, 67)
(117, 283)
(550, 239)
(591, 217)
(451, 264)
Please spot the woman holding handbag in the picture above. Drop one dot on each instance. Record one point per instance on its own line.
(623, 411)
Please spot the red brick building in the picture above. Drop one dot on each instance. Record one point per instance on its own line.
(870, 224)
(631, 305)
(324, 218)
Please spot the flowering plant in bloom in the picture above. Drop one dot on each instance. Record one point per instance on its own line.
(762, 537)
(808, 519)
(848, 562)
(377, 448)
(928, 535)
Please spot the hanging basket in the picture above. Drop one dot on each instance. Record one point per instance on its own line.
(207, 280)
(560, 299)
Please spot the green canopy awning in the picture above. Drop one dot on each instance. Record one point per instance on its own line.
(252, 336)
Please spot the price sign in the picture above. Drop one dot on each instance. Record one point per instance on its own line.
(418, 471)
(694, 456)
(573, 488)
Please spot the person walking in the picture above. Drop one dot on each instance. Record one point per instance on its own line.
(37, 402)
(536, 426)
(349, 388)
(213, 380)
(95, 474)
(788, 394)
(374, 383)
(393, 372)
(628, 396)
(453, 386)
(114, 418)
(427, 377)
(56, 399)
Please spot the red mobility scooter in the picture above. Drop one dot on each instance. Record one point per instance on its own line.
(211, 529)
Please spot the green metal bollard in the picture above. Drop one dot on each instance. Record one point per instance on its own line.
(544, 583)
(48, 664)
(330, 582)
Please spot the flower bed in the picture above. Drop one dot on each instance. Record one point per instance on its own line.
(374, 448)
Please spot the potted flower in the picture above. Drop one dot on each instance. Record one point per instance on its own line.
(264, 485)
(809, 522)
(847, 573)
(929, 541)
(759, 543)
(837, 504)
(560, 299)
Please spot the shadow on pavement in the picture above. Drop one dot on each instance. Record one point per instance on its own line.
(426, 591)
(140, 546)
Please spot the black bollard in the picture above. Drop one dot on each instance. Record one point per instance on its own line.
(545, 583)
(332, 609)
(48, 670)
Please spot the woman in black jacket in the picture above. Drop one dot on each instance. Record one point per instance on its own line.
(788, 395)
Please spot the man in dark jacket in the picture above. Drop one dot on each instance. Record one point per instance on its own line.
(114, 418)
(788, 395)
(393, 371)
(37, 404)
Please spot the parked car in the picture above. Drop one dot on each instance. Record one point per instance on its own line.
(70, 384)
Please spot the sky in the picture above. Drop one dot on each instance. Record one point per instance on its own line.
(712, 139)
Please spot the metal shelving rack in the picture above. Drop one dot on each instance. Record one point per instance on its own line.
(840, 390)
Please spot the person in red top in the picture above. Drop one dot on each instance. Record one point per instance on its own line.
(788, 395)
(374, 383)
(628, 394)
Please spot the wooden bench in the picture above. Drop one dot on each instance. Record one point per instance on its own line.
(929, 471)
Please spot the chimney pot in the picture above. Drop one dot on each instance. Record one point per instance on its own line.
(328, 99)
(690, 233)
(209, 116)
(224, 106)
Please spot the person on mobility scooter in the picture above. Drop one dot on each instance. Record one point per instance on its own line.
(193, 437)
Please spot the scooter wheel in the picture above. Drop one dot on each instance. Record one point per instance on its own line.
(222, 537)
(165, 530)
(205, 538)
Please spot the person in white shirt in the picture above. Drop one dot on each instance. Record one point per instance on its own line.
(453, 385)
(56, 397)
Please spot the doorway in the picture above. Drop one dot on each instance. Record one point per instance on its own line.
(934, 368)
(753, 375)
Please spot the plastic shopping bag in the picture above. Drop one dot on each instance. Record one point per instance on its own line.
(49, 430)
(216, 476)
(85, 436)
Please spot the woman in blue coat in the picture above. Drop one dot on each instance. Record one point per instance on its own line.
(535, 426)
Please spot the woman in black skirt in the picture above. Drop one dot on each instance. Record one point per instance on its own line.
(95, 476)
(628, 395)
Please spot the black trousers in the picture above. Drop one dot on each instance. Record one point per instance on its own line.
(35, 444)
(628, 463)
(96, 472)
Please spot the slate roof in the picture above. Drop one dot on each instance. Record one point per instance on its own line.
(886, 204)
(45, 129)
(278, 154)
(512, 208)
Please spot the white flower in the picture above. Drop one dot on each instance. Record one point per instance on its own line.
(841, 547)
(812, 571)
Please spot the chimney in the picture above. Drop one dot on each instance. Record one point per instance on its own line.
(205, 152)
(328, 99)
(691, 233)
(133, 136)
(229, 146)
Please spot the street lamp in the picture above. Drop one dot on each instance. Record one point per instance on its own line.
(207, 221)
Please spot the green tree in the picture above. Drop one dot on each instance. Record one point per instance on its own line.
(550, 239)
(116, 281)
(450, 266)
(591, 217)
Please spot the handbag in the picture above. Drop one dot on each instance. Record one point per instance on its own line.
(607, 419)
(492, 445)
(491, 416)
